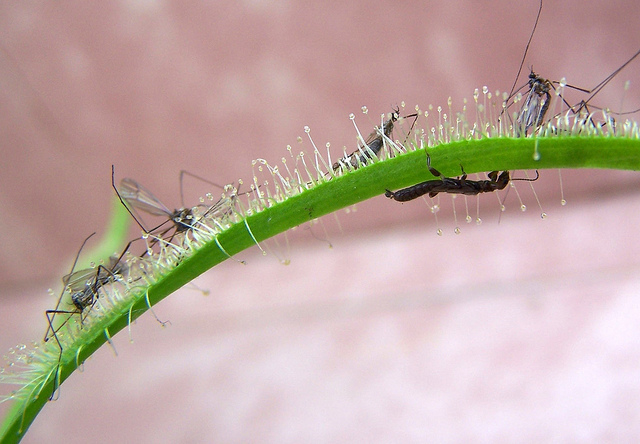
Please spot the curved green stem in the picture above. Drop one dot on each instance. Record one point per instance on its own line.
(361, 184)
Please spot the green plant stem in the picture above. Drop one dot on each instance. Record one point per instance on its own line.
(364, 183)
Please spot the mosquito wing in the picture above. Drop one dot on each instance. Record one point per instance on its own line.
(78, 280)
(139, 197)
(532, 112)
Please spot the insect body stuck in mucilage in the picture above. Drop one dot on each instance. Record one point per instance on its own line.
(538, 97)
(460, 185)
(83, 289)
(372, 145)
(132, 195)
(536, 104)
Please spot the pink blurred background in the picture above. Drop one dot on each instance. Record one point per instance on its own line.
(527, 330)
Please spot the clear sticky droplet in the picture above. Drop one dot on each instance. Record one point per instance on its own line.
(563, 202)
(439, 232)
(478, 221)
(457, 230)
(468, 219)
(543, 215)
(523, 208)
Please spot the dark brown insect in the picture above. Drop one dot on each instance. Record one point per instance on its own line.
(459, 185)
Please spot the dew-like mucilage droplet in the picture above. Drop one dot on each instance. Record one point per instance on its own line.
(543, 215)
(523, 208)
(457, 230)
(536, 156)
(439, 232)
(563, 202)
(307, 129)
(365, 110)
(468, 219)
(352, 116)
(478, 221)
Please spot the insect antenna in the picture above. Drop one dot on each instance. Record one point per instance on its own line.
(524, 56)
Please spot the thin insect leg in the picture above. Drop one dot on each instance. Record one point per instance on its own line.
(136, 196)
(56, 378)
(64, 288)
(183, 172)
(432, 170)
(599, 86)
(113, 184)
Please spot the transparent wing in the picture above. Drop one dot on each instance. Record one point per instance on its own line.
(78, 280)
(139, 197)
